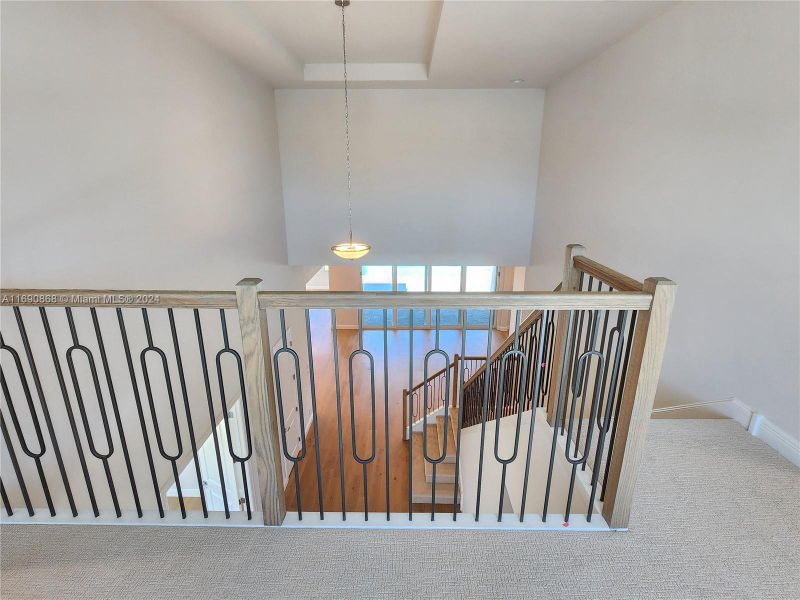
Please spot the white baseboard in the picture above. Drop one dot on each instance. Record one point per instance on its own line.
(764, 429)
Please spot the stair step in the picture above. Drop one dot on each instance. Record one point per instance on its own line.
(451, 441)
(421, 492)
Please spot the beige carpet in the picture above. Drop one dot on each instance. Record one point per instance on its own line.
(716, 516)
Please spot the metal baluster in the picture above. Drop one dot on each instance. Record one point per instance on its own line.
(410, 413)
(560, 394)
(577, 335)
(460, 401)
(115, 408)
(13, 456)
(621, 389)
(540, 353)
(138, 400)
(338, 409)
(314, 412)
(520, 389)
(425, 454)
(245, 413)
(68, 406)
(386, 402)
(604, 425)
(578, 386)
(173, 459)
(45, 409)
(6, 501)
(210, 403)
(484, 411)
(362, 461)
(187, 408)
(37, 455)
(102, 456)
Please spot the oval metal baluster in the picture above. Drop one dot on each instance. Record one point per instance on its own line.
(616, 333)
(68, 407)
(140, 411)
(314, 412)
(519, 387)
(45, 409)
(172, 458)
(285, 349)
(620, 391)
(102, 456)
(245, 413)
(580, 374)
(15, 465)
(115, 408)
(353, 446)
(35, 455)
(187, 409)
(425, 454)
(210, 402)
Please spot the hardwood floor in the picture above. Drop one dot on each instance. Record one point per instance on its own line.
(350, 480)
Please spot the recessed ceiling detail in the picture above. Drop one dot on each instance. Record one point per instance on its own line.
(422, 44)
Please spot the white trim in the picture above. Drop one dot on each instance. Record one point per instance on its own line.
(774, 436)
(510, 522)
(764, 429)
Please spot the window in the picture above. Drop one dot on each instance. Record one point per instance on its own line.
(446, 279)
(377, 279)
(411, 279)
(479, 279)
(419, 278)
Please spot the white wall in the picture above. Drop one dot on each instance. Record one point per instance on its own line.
(439, 176)
(133, 156)
(675, 153)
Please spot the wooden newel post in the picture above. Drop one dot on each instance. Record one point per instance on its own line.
(261, 402)
(569, 283)
(454, 395)
(644, 367)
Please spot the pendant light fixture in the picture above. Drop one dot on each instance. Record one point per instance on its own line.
(349, 250)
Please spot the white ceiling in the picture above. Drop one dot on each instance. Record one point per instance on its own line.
(416, 44)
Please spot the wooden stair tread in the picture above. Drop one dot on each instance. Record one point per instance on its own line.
(421, 492)
(451, 441)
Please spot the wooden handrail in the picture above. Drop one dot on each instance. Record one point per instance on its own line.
(494, 300)
(612, 278)
(117, 298)
(528, 322)
(442, 370)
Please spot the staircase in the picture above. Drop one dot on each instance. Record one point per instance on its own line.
(422, 470)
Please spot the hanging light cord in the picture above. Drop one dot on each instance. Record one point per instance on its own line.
(347, 129)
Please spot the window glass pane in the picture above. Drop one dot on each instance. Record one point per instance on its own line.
(479, 279)
(411, 279)
(446, 279)
(376, 279)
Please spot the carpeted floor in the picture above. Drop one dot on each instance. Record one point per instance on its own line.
(716, 516)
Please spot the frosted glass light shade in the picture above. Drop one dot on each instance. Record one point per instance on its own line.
(350, 250)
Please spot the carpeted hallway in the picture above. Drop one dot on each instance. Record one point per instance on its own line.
(716, 516)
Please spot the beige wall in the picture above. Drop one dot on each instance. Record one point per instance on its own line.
(675, 153)
(465, 159)
(345, 278)
(133, 156)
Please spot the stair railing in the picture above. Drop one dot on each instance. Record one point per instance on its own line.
(110, 392)
(436, 392)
